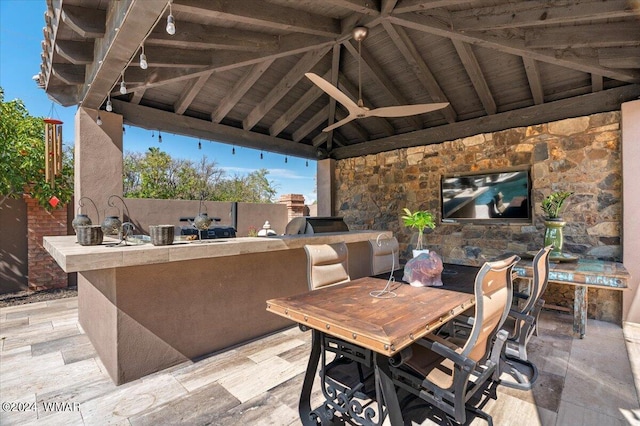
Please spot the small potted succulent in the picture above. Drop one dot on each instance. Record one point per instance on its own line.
(552, 207)
(419, 220)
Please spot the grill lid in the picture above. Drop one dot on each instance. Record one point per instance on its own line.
(315, 225)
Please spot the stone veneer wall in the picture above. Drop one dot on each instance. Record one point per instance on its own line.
(579, 154)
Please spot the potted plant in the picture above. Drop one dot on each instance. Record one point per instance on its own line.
(552, 207)
(419, 220)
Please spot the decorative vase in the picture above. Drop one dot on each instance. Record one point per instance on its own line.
(111, 225)
(553, 235)
(80, 220)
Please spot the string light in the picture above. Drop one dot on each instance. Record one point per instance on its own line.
(124, 131)
(233, 151)
(99, 120)
(123, 86)
(171, 23)
(285, 160)
(153, 134)
(159, 137)
(261, 156)
(307, 163)
(143, 59)
(199, 144)
(109, 106)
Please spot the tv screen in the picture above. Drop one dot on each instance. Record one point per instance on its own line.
(492, 196)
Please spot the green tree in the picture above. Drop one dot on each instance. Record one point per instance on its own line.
(22, 155)
(155, 174)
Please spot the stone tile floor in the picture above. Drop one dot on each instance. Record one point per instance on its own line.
(50, 375)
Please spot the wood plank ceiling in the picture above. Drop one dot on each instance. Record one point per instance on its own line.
(234, 69)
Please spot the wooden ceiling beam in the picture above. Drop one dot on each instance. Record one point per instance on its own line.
(421, 70)
(622, 57)
(294, 44)
(167, 57)
(596, 35)
(312, 124)
(189, 93)
(76, 52)
(405, 6)
(535, 82)
(513, 46)
(151, 118)
(284, 85)
(196, 36)
(606, 100)
(370, 66)
(69, 74)
(335, 73)
(597, 83)
(301, 105)
(86, 22)
(364, 7)
(387, 6)
(354, 124)
(137, 96)
(131, 21)
(471, 65)
(536, 13)
(261, 14)
(241, 87)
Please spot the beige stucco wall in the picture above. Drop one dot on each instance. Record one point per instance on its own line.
(98, 159)
(631, 207)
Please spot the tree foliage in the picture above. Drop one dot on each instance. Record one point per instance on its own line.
(22, 155)
(155, 174)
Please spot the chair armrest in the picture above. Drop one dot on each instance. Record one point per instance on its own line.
(520, 316)
(444, 348)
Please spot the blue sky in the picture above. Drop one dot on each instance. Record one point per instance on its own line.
(21, 23)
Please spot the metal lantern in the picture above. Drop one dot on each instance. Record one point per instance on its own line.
(53, 150)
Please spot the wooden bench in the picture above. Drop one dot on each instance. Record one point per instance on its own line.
(582, 274)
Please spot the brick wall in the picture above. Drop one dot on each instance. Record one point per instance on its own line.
(295, 205)
(44, 272)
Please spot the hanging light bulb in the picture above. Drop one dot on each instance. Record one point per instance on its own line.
(261, 156)
(124, 131)
(285, 160)
(159, 137)
(109, 106)
(99, 120)
(143, 60)
(171, 23)
(153, 134)
(306, 163)
(199, 144)
(233, 151)
(123, 86)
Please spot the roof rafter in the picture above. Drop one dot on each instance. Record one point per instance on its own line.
(405, 6)
(261, 14)
(189, 93)
(364, 7)
(311, 124)
(86, 22)
(576, 36)
(471, 65)
(535, 82)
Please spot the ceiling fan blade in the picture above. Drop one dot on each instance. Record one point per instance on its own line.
(349, 118)
(405, 110)
(334, 92)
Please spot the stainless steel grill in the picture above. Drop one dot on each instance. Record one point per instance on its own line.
(315, 225)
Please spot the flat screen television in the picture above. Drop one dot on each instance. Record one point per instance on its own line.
(487, 197)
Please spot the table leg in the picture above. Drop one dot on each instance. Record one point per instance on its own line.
(580, 311)
(304, 406)
(383, 376)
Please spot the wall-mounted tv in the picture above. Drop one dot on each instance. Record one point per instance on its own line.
(487, 197)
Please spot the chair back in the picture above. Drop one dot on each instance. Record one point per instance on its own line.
(540, 277)
(493, 294)
(385, 255)
(327, 264)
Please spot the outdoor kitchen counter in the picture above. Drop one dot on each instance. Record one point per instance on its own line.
(146, 308)
(72, 257)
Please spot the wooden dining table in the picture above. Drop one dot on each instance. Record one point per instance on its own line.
(383, 325)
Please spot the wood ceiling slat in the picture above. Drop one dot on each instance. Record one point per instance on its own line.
(262, 14)
(405, 6)
(538, 13)
(596, 35)
(280, 90)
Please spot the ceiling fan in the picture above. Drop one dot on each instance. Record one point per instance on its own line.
(358, 110)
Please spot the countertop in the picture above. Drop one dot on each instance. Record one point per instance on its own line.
(72, 257)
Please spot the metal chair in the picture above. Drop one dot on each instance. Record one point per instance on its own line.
(447, 373)
(385, 255)
(522, 323)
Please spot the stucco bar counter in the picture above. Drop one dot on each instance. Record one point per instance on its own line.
(146, 308)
